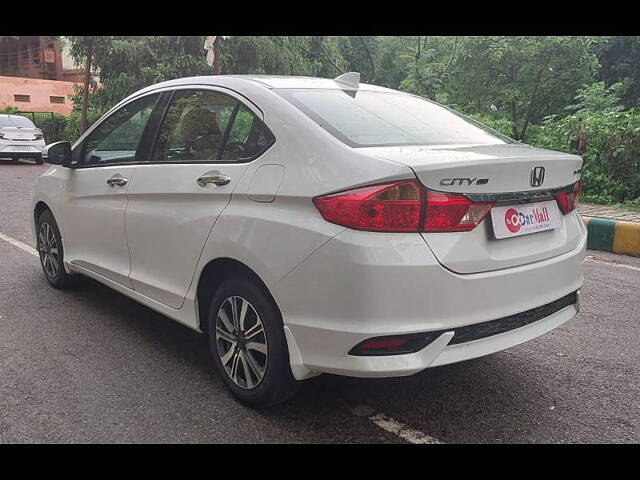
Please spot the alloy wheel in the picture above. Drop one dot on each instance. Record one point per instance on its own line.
(48, 250)
(241, 342)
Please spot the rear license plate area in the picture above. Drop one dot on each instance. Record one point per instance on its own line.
(522, 219)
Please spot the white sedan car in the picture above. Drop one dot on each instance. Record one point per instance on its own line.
(311, 226)
(20, 138)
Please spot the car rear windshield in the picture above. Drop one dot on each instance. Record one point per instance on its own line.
(15, 121)
(372, 119)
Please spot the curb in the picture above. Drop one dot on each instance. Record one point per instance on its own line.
(615, 236)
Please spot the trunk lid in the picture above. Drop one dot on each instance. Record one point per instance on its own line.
(483, 172)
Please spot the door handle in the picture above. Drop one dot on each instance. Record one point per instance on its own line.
(117, 181)
(215, 179)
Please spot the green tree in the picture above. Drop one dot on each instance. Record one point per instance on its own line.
(620, 60)
(523, 78)
(303, 55)
(127, 64)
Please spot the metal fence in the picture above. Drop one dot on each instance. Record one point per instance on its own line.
(36, 116)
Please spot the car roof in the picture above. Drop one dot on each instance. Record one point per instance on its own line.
(289, 81)
(266, 81)
(8, 116)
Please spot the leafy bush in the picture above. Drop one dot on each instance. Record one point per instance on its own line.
(52, 127)
(607, 138)
(10, 110)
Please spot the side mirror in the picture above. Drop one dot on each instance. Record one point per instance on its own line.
(58, 153)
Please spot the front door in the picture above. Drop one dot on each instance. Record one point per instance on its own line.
(95, 194)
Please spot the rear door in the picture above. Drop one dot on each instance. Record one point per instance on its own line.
(202, 149)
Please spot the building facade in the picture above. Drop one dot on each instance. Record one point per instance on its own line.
(37, 74)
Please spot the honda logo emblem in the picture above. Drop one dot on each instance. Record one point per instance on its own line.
(537, 177)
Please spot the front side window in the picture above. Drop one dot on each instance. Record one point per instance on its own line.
(116, 140)
(194, 127)
(373, 119)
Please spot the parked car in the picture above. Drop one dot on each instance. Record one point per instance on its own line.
(310, 225)
(20, 138)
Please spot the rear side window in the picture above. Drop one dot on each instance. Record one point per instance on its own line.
(209, 126)
(371, 119)
(194, 127)
(248, 137)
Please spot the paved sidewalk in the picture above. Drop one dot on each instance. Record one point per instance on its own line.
(613, 212)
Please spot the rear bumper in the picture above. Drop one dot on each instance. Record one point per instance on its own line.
(18, 156)
(361, 285)
(438, 352)
(16, 150)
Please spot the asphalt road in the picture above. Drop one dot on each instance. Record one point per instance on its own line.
(90, 365)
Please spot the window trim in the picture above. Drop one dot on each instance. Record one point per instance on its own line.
(162, 105)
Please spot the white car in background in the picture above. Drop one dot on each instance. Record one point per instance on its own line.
(20, 138)
(311, 226)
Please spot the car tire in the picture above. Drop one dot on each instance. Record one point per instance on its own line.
(263, 357)
(38, 160)
(51, 251)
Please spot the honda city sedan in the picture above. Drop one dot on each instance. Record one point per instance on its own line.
(311, 225)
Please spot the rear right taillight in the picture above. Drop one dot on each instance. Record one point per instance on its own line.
(568, 201)
(451, 212)
(402, 206)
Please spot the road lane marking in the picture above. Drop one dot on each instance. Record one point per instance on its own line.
(19, 244)
(401, 430)
(390, 425)
(611, 263)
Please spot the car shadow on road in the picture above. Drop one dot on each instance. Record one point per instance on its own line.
(5, 162)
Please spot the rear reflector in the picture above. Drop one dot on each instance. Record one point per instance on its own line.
(402, 206)
(568, 201)
(393, 345)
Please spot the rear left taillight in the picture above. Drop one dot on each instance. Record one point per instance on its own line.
(402, 206)
(389, 207)
(568, 201)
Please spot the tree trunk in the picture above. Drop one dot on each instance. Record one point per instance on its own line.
(531, 102)
(370, 57)
(514, 120)
(216, 56)
(85, 92)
